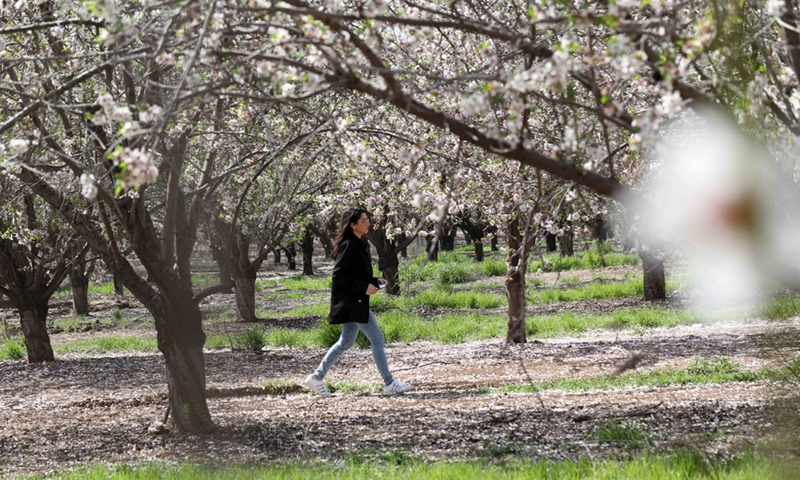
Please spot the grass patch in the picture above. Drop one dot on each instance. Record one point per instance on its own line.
(627, 434)
(399, 465)
(783, 308)
(700, 371)
(629, 288)
(111, 343)
(359, 388)
(570, 323)
(279, 386)
(13, 349)
(593, 257)
(493, 268)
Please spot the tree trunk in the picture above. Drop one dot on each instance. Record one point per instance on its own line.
(566, 243)
(34, 330)
(391, 272)
(478, 244)
(308, 253)
(432, 247)
(447, 239)
(493, 243)
(181, 339)
(119, 289)
(290, 254)
(80, 290)
(403, 251)
(550, 239)
(655, 285)
(519, 246)
(277, 255)
(516, 309)
(245, 289)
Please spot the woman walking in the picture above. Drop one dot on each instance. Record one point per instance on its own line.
(353, 284)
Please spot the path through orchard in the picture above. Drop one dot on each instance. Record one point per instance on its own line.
(84, 410)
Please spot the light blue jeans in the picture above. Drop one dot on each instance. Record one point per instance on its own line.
(348, 339)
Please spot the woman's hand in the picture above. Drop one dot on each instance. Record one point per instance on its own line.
(372, 289)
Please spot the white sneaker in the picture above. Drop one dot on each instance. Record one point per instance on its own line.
(396, 387)
(317, 385)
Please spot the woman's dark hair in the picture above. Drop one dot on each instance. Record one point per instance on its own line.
(345, 230)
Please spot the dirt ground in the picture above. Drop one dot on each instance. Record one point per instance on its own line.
(83, 410)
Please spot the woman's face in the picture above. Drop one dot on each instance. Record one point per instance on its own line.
(361, 227)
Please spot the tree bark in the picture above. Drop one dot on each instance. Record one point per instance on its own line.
(34, 329)
(551, 241)
(655, 285)
(447, 238)
(391, 272)
(80, 290)
(432, 247)
(276, 254)
(308, 253)
(181, 339)
(519, 246)
(566, 242)
(245, 289)
(290, 256)
(119, 289)
(478, 245)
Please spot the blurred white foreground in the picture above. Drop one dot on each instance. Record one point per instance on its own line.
(719, 200)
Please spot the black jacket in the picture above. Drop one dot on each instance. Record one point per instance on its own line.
(352, 272)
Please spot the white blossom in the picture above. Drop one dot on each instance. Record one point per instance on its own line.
(153, 113)
(18, 146)
(88, 186)
(776, 8)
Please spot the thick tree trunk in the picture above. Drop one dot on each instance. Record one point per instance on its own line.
(655, 285)
(246, 297)
(34, 330)
(80, 290)
(493, 243)
(308, 253)
(551, 241)
(447, 239)
(277, 255)
(478, 244)
(181, 339)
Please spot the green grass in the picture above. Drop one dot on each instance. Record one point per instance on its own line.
(403, 326)
(629, 288)
(13, 349)
(570, 323)
(783, 308)
(684, 464)
(111, 343)
(700, 371)
(625, 433)
(279, 386)
(591, 258)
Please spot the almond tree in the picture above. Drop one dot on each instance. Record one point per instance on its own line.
(36, 252)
